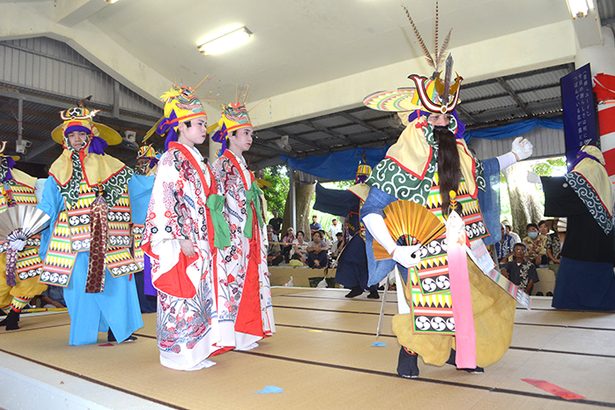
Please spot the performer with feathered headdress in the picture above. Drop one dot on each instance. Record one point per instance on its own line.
(242, 267)
(183, 227)
(88, 251)
(449, 310)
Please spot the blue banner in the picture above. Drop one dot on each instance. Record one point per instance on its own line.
(580, 116)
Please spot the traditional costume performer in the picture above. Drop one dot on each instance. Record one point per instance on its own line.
(242, 266)
(351, 270)
(19, 268)
(88, 250)
(445, 301)
(183, 213)
(140, 191)
(585, 278)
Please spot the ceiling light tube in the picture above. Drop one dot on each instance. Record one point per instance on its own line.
(226, 42)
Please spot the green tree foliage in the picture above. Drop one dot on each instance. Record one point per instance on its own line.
(276, 191)
(546, 168)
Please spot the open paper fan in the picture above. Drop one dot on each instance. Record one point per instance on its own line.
(406, 220)
(28, 218)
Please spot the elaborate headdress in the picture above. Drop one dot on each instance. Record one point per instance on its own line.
(180, 104)
(363, 172)
(234, 116)
(81, 119)
(147, 153)
(434, 94)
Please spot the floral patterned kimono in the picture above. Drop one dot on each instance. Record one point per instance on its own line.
(246, 312)
(184, 191)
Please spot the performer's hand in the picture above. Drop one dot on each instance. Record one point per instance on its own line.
(407, 256)
(187, 247)
(522, 148)
(17, 244)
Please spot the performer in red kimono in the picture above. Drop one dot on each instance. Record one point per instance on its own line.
(242, 266)
(179, 239)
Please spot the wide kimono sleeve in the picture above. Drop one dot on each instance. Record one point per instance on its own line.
(489, 198)
(168, 221)
(140, 191)
(52, 204)
(560, 199)
(376, 201)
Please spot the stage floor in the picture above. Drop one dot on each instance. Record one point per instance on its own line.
(323, 357)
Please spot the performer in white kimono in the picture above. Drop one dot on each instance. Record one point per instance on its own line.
(179, 238)
(242, 267)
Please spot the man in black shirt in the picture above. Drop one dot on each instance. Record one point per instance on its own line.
(520, 271)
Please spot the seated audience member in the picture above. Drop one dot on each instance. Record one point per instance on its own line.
(338, 245)
(334, 229)
(510, 231)
(53, 297)
(299, 250)
(521, 271)
(287, 243)
(536, 245)
(276, 222)
(318, 251)
(553, 243)
(314, 226)
(274, 252)
(504, 248)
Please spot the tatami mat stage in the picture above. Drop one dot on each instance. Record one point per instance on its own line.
(323, 357)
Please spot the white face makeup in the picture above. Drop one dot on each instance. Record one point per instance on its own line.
(242, 140)
(195, 134)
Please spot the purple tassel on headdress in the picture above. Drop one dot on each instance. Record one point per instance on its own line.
(167, 128)
(220, 136)
(97, 146)
(10, 163)
(461, 127)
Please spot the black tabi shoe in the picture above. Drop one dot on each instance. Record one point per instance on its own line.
(354, 292)
(407, 365)
(373, 294)
(451, 361)
(111, 338)
(11, 321)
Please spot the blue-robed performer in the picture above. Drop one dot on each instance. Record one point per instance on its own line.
(454, 307)
(585, 279)
(88, 248)
(351, 270)
(140, 191)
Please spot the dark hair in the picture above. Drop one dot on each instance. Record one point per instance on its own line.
(542, 223)
(300, 232)
(317, 232)
(449, 165)
(531, 225)
(521, 244)
(333, 220)
(339, 234)
(188, 123)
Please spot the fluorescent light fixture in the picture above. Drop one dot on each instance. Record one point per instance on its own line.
(226, 42)
(111, 1)
(580, 8)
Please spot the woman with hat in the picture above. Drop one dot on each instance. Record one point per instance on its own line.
(88, 249)
(243, 273)
(184, 224)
